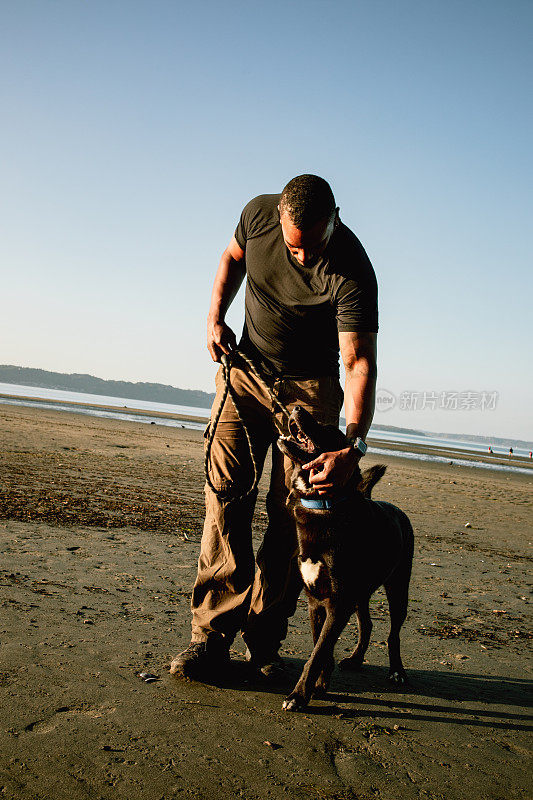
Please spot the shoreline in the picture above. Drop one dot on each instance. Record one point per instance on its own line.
(454, 454)
(417, 452)
(117, 409)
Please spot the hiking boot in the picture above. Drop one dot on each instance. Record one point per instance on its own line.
(201, 658)
(270, 667)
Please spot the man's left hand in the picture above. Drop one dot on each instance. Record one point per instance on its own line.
(332, 470)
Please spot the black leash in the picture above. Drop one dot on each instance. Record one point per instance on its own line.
(227, 494)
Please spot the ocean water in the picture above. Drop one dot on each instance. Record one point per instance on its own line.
(100, 400)
(128, 406)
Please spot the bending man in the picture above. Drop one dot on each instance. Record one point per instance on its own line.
(310, 293)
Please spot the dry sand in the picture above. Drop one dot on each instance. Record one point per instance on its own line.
(99, 529)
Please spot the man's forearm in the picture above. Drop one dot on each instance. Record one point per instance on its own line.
(359, 400)
(336, 468)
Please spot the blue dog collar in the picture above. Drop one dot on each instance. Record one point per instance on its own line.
(315, 503)
(323, 504)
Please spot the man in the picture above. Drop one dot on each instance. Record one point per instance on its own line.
(310, 292)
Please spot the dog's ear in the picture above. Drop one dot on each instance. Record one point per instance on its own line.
(369, 479)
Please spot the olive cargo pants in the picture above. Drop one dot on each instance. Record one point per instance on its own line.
(227, 596)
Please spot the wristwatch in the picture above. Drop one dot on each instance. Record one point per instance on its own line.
(359, 445)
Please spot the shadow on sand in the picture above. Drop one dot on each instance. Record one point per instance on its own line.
(417, 701)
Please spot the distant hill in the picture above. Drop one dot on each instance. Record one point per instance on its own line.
(157, 392)
(495, 440)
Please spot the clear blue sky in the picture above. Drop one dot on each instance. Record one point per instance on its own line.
(133, 133)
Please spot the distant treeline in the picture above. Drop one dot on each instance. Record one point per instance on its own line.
(88, 384)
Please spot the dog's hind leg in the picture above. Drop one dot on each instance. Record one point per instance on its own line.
(355, 661)
(397, 589)
(320, 659)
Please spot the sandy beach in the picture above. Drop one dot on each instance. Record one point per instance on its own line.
(100, 522)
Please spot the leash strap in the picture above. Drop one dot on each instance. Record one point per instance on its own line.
(253, 369)
(227, 494)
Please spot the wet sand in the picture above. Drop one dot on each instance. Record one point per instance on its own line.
(99, 527)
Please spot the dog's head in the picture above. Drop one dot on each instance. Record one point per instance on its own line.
(307, 439)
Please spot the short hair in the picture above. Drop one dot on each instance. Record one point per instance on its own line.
(307, 199)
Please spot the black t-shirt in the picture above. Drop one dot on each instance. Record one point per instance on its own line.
(293, 314)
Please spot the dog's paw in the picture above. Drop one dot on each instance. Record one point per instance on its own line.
(398, 677)
(293, 703)
(351, 663)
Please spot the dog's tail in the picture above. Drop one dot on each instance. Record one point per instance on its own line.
(369, 479)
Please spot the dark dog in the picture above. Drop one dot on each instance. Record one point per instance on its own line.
(349, 546)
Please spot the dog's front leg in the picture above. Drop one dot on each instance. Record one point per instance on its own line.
(317, 615)
(322, 655)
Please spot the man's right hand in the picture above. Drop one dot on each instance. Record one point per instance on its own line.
(220, 339)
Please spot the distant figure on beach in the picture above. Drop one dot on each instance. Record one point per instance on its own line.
(311, 292)
(490, 450)
(531, 453)
(510, 451)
